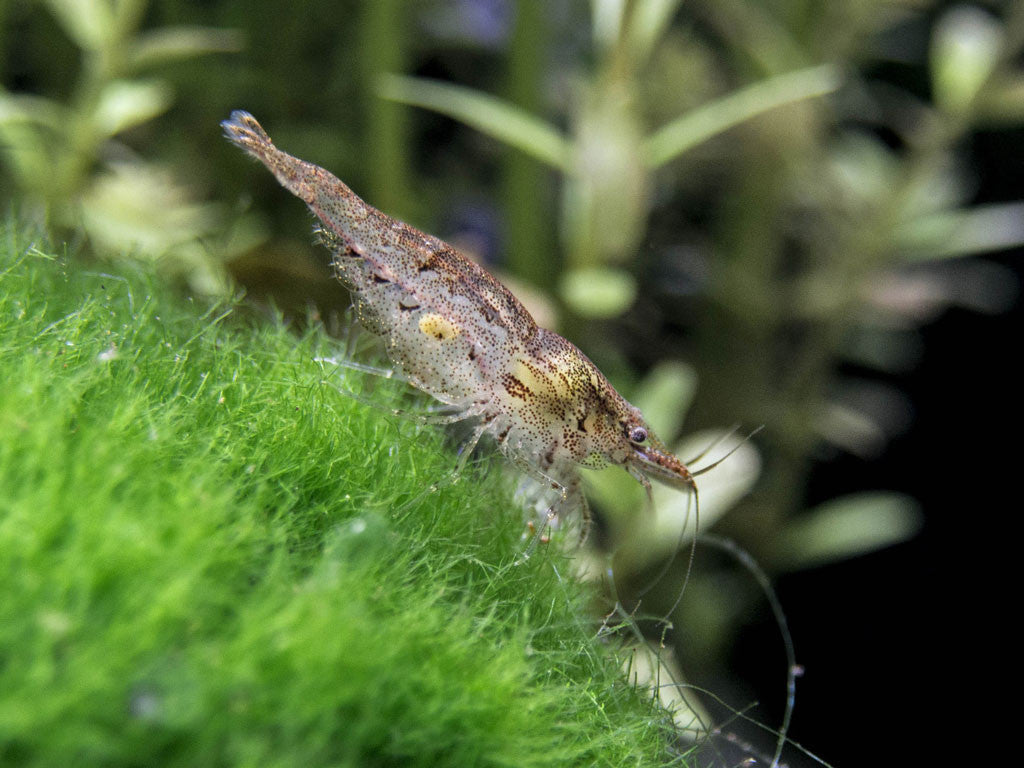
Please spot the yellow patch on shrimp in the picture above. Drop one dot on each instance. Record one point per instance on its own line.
(592, 423)
(527, 374)
(558, 384)
(439, 327)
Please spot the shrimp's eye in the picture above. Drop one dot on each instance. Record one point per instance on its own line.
(638, 435)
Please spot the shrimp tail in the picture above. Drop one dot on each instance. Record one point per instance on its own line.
(331, 200)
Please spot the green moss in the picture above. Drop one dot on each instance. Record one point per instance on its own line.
(208, 556)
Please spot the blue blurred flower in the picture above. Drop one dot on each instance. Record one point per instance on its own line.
(486, 23)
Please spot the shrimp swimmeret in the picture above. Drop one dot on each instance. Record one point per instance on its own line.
(459, 335)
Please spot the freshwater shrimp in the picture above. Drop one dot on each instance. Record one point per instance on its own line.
(459, 335)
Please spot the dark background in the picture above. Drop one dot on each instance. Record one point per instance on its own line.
(895, 644)
(899, 645)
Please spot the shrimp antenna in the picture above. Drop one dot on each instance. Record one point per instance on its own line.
(679, 544)
(712, 465)
(696, 497)
(693, 550)
(714, 444)
(745, 559)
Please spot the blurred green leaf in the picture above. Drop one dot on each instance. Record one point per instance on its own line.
(1003, 99)
(951, 234)
(607, 19)
(173, 43)
(618, 496)
(87, 22)
(862, 166)
(655, 667)
(932, 189)
(598, 292)
(22, 107)
(885, 341)
(758, 32)
(24, 123)
(124, 104)
(852, 430)
(647, 25)
(664, 396)
(25, 154)
(490, 115)
(699, 125)
(849, 526)
(965, 50)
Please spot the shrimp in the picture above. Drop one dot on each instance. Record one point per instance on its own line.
(459, 335)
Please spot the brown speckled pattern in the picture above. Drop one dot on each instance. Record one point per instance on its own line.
(459, 335)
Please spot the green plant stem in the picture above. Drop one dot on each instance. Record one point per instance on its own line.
(383, 32)
(530, 247)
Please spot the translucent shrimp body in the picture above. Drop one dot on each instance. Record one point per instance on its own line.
(459, 335)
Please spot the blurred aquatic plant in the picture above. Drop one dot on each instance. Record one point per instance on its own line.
(608, 157)
(875, 258)
(830, 230)
(69, 165)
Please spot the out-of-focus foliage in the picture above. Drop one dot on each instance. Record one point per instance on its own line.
(609, 159)
(65, 156)
(826, 215)
(774, 191)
